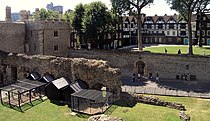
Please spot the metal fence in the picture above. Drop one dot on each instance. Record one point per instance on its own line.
(164, 91)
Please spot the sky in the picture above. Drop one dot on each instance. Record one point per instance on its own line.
(159, 7)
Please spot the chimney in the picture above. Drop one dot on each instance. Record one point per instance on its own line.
(37, 12)
(8, 17)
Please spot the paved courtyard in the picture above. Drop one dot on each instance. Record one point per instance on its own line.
(173, 88)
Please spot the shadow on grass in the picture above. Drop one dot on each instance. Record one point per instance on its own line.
(111, 110)
(24, 107)
(208, 48)
(82, 116)
(59, 103)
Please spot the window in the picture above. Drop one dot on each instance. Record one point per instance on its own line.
(168, 32)
(55, 33)
(182, 26)
(208, 32)
(187, 67)
(174, 33)
(131, 25)
(149, 26)
(171, 26)
(160, 26)
(203, 33)
(208, 24)
(183, 33)
(56, 48)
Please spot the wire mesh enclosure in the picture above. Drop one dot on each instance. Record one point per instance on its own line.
(91, 101)
(21, 93)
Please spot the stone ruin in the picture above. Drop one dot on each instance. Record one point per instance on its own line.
(95, 73)
(135, 98)
(104, 118)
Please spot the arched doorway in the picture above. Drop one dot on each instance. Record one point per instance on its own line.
(141, 68)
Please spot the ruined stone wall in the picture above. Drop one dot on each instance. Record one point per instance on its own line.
(43, 37)
(124, 60)
(165, 65)
(12, 37)
(91, 71)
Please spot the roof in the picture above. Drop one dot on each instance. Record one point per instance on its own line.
(34, 76)
(60, 83)
(93, 95)
(48, 78)
(23, 86)
(76, 87)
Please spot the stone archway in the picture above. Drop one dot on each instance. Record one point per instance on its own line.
(140, 68)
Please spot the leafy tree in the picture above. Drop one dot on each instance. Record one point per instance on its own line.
(97, 23)
(201, 8)
(48, 14)
(77, 21)
(186, 9)
(43, 13)
(122, 6)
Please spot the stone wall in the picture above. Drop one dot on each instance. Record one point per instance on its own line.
(165, 65)
(119, 59)
(40, 35)
(92, 71)
(12, 37)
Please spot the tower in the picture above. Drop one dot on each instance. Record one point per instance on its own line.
(37, 12)
(8, 17)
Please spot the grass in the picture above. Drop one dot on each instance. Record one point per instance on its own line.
(174, 49)
(198, 109)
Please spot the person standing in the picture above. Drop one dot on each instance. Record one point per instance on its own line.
(179, 51)
(166, 50)
(139, 76)
(157, 78)
(133, 77)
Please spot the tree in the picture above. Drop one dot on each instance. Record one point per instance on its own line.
(186, 9)
(77, 21)
(48, 14)
(97, 23)
(201, 8)
(122, 6)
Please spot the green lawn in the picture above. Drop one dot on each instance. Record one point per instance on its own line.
(198, 109)
(174, 49)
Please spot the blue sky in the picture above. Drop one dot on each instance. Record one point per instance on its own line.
(159, 7)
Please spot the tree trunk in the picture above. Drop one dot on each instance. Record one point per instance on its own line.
(190, 50)
(139, 30)
(200, 31)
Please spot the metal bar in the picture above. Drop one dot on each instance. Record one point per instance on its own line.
(1, 97)
(28, 83)
(19, 86)
(30, 97)
(19, 98)
(9, 99)
(40, 95)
